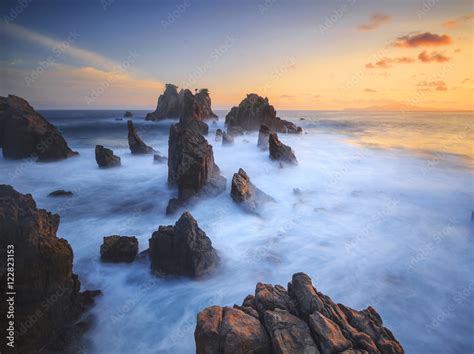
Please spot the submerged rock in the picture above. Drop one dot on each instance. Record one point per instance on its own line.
(182, 249)
(300, 320)
(280, 151)
(244, 193)
(119, 249)
(47, 292)
(105, 157)
(26, 133)
(219, 134)
(136, 144)
(227, 139)
(128, 114)
(263, 136)
(255, 111)
(157, 158)
(60, 193)
(171, 104)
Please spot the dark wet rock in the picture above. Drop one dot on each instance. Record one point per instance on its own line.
(280, 151)
(300, 320)
(43, 273)
(26, 133)
(174, 204)
(157, 158)
(219, 134)
(302, 118)
(171, 104)
(182, 249)
(255, 111)
(105, 157)
(128, 114)
(297, 191)
(244, 192)
(227, 139)
(136, 144)
(119, 249)
(263, 136)
(60, 193)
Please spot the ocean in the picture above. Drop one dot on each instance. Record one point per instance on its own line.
(383, 218)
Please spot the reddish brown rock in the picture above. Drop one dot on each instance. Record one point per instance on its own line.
(26, 133)
(280, 151)
(136, 144)
(119, 249)
(105, 157)
(244, 192)
(43, 273)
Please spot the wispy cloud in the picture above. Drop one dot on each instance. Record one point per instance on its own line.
(375, 21)
(422, 39)
(433, 56)
(370, 90)
(458, 21)
(385, 63)
(438, 85)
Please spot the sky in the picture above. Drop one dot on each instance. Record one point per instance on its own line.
(301, 54)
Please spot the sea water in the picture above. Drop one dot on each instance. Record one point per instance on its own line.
(377, 212)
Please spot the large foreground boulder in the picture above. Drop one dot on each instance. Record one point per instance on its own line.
(136, 144)
(300, 320)
(45, 291)
(255, 111)
(171, 104)
(26, 133)
(182, 249)
(244, 192)
(105, 158)
(280, 151)
(116, 249)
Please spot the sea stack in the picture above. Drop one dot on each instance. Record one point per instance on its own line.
(136, 144)
(105, 158)
(280, 151)
(244, 192)
(43, 274)
(297, 320)
(24, 133)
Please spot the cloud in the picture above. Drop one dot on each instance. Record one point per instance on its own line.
(375, 21)
(369, 90)
(422, 39)
(384, 63)
(458, 21)
(437, 85)
(434, 56)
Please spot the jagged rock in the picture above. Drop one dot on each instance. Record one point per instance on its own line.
(229, 330)
(263, 136)
(119, 249)
(171, 104)
(136, 144)
(26, 133)
(219, 134)
(280, 151)
(182, 249)
(245, 193)
(157, 158)
(105, 157)
(60, 193)
(227, 139)
(47, 292)
(255, 111)
(128, 114)
(173, 206)
(300, 320)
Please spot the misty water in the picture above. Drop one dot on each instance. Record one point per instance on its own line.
(383, 218)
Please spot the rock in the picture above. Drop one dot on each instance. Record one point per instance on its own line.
(229, 330)
(47, 297)
(245, 193)
(137, 146)
(26, 133)
(219, 134)
(263, 136)
(157, 158)
(182, 249)
(171, 104)
(280, 151)
(227, 139)
(128, 114)
(173, 206)
(255, 111)
(119, 249)
(300, 320)
(105, 157)
(60, 193)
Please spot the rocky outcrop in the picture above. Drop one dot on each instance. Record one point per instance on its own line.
(136, 144)
(280, 151)
(119, 249)
(300, 320)
(60, 193)
(255, 111)
(227, 139)
(171, 104)
(191, 165)
(128, 114)
(263, 136)
(244, 193)
(47, 293)
(219, 134)
(26, 133)
(105, 157)
(182, 249)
